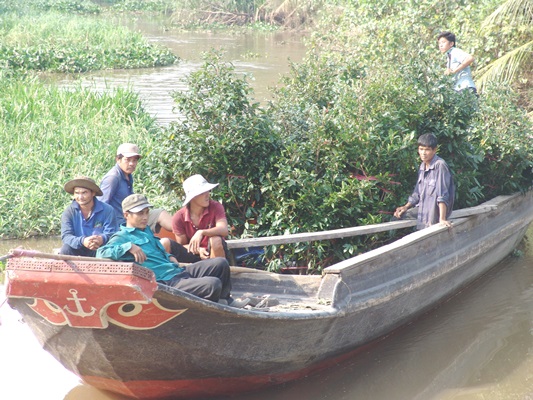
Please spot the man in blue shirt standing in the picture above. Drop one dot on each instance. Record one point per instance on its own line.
(87, 223)
(209, 279)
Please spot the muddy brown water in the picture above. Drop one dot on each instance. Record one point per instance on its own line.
(477, 345)
(263, 57)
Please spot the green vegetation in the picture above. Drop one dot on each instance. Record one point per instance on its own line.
(497, 32)
(50, 135)
(336, 146)
(60, 42)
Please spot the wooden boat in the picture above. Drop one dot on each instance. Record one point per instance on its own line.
(117, 329)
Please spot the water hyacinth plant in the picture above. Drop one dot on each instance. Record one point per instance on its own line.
(60, 42)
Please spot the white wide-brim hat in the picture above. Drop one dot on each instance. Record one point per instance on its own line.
(194, 186)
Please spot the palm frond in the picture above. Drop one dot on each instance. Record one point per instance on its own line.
(505, 68)
(513, 12)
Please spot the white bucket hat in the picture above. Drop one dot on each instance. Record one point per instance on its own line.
(195, 185)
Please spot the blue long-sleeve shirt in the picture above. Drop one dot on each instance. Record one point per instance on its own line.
(116, 187)
(433, 186)
(157, 259)
(75, 228)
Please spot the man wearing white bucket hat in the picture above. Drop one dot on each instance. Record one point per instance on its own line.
(201, 225)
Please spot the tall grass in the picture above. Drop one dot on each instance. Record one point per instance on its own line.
(48, 136)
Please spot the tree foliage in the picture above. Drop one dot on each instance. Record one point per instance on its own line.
(224, 136)
(337, 146)
(512, 17)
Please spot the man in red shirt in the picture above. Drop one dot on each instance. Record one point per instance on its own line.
(201, 225)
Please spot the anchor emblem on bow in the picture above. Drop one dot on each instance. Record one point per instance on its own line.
(79, 309)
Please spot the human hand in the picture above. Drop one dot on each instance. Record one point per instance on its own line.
(93, 242)
(137, 252)
(203, 253)
(194, 243)
(448, 72)
(446, 223)
(400, 211)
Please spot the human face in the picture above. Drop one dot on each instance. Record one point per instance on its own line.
(137, 220)
(202, 200)
(128, 164)
(444, 45)
(427, 153)
(84, 197)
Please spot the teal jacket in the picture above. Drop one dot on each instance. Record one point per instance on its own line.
(157, 259)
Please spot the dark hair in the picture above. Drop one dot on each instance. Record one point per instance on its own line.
(450, 37)
(428, 140)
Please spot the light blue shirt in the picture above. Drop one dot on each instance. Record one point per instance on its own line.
(463, 79)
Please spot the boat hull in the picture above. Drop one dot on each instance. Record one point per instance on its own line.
(203, 349)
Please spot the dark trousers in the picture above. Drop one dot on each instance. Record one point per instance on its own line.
(83, 251)
(208, 279)
(183, 255)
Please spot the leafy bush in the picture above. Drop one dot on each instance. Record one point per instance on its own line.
(336, 147)
(220, 124)
(505, 135)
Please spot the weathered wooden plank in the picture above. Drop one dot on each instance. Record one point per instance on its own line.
(345, 232)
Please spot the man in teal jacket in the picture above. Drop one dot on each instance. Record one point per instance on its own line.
(209, 279)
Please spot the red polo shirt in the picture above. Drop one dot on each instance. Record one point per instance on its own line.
(182, 224)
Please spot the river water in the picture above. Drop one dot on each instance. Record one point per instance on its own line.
(477, 345)
(264, 57)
